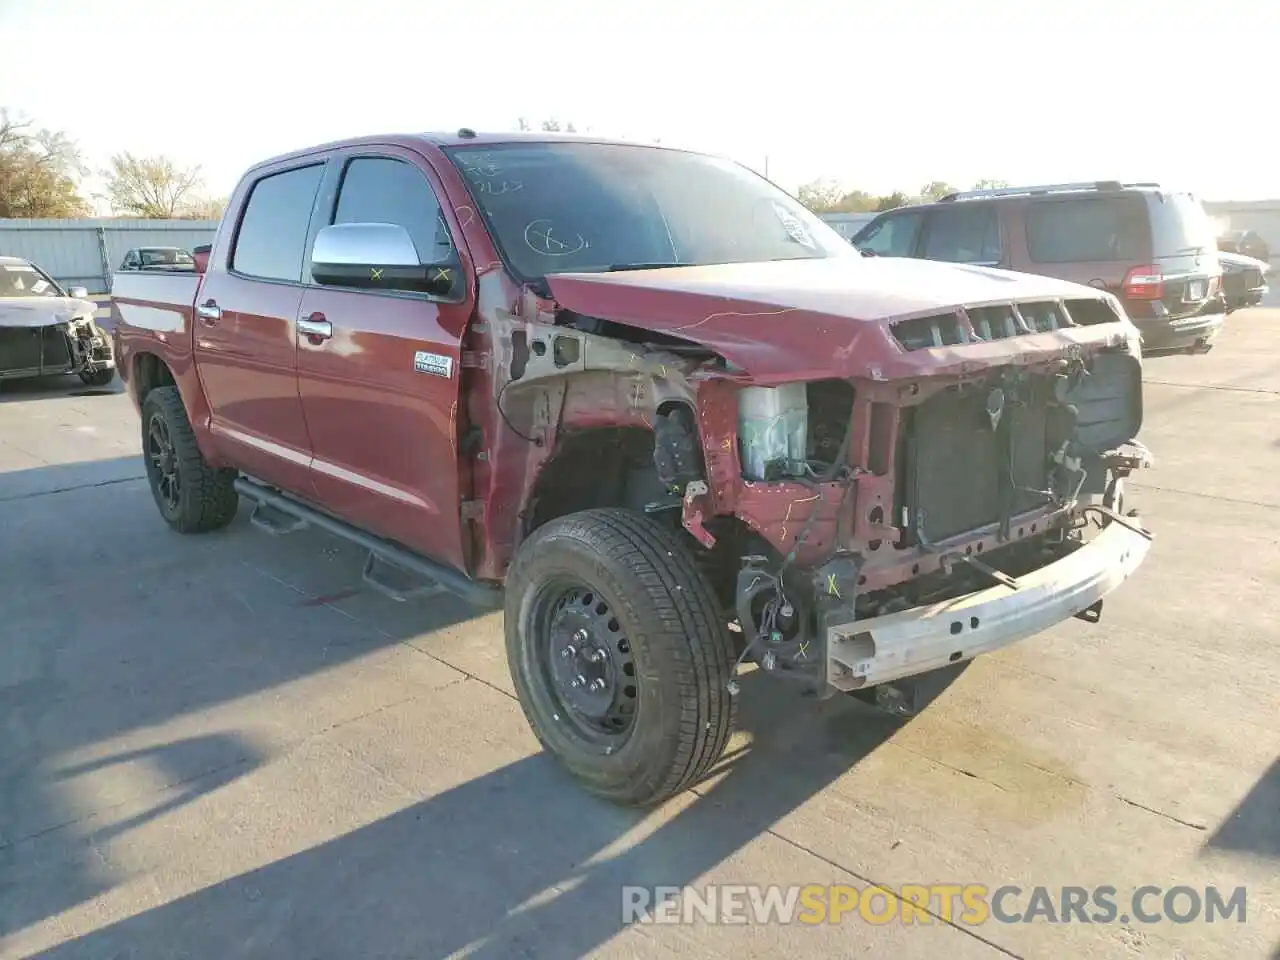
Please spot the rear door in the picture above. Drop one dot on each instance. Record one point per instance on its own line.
(963, 232)
(245, 343)
(380, 391)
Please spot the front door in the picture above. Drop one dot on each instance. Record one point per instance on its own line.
(378, 372)
(245, 347)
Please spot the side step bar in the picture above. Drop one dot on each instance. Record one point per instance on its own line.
(281, 514)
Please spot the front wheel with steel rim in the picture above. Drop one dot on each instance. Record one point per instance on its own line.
(192, 496)
(619, 655)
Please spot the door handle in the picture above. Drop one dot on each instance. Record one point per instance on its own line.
(209, 312)
(316, 327)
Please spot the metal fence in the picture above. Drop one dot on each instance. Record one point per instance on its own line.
(847, 224)
(85, 252)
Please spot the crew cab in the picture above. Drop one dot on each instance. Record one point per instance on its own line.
(661, 413)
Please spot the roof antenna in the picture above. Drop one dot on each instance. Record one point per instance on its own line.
(466, 133)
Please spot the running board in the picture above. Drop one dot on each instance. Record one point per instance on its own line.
(391, 568)
(394, 581)
(275, 521)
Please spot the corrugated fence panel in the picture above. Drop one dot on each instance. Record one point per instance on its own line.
(85, 252)
(155, 233)
(70, 255)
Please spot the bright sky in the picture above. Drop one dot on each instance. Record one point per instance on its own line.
(876, 95)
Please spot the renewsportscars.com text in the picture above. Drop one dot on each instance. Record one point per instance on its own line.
(968, 904)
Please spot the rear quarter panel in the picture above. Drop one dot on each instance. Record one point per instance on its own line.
(155, 318)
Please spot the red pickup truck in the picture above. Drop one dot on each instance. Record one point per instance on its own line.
(648, 401)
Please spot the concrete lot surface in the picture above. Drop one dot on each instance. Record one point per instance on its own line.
(222, 747)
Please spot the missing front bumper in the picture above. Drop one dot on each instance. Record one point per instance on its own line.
(864, 653)
(53, 350)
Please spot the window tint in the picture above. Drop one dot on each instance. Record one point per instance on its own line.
(1180, 225)
(380, 190)
(894, 236)
(964, 233)
(1079, 230)
(273, 233)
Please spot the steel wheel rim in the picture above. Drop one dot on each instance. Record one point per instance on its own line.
(586, 662)
(164, 462)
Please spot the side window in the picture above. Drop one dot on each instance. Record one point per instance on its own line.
(273, 231)
(382, 190)
(963, 233)
(1082, 230)
(894, 236)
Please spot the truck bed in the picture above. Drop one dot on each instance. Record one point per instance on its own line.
(159, 301)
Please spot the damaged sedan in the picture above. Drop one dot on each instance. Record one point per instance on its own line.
(46, 331)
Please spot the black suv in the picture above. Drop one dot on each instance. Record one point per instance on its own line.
(1155, 249)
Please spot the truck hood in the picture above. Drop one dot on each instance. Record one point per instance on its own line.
(42, 311)
(797, 318)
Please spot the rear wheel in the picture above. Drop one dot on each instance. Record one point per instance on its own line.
(619, 655)
(192, 496)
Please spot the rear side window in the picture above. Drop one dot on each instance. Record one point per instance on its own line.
(1180, 225)
(273, 232)
(963, 233)
(382, 190)
(894, 236)
(1087, 229)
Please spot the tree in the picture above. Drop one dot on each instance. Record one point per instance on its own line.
(39, 171)
(826, 196)
(990, 184)
(892, 200)
(553, 126)
(208, 209)
(820, 196)
(153, 188)
(935, 190)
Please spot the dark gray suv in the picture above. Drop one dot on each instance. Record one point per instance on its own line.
(1153, 248)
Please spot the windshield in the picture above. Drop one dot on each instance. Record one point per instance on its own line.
(166, 257)
(25, 280)
(566, 207)
(1180, 225)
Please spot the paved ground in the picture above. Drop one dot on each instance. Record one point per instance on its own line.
(221, 747)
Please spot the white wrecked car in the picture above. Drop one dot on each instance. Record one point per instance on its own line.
(46, 331)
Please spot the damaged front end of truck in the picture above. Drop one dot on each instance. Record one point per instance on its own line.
(876, 491)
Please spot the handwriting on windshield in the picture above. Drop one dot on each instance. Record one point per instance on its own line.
(496, 188)
(543, 238)
(482, 166)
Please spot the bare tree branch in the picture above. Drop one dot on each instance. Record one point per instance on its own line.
(153, 187)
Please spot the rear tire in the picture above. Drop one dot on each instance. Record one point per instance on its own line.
(192, 496)
(624, 597)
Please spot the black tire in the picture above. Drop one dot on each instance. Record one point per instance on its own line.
(99, 378)
(201, 498)
(661, 607)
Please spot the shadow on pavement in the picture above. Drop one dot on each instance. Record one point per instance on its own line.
(29, 894)
(67, 477)
(66, 385)
(1254, 826)
(111, 627)
(502, 865)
